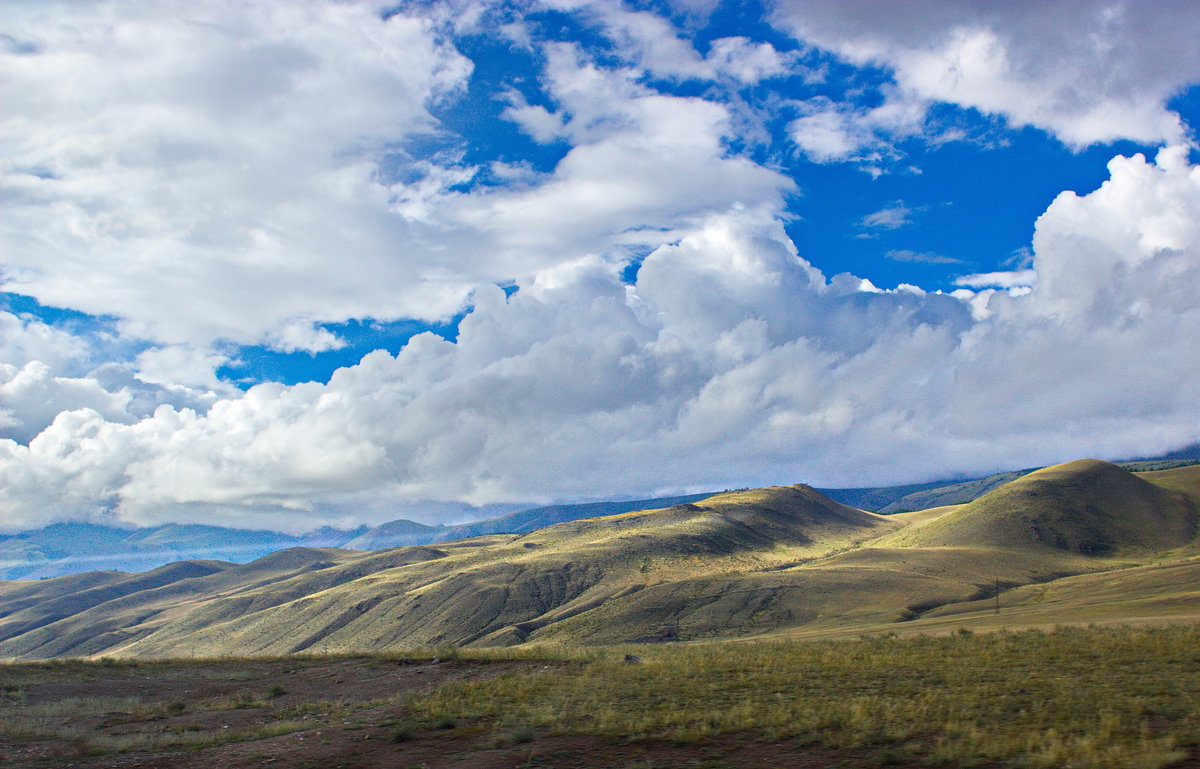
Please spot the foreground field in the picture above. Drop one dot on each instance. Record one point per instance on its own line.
(1082, 697)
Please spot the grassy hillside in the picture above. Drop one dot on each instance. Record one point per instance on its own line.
(506, 591)
(899, 499)
(70, 548)
(401, 532)
(765, 562)
(525, 521)
(1182, 479)
(1087, 507)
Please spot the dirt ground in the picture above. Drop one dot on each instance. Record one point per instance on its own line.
(347, 714)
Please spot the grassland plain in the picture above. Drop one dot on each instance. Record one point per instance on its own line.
(1086, 541)
(1087, 698)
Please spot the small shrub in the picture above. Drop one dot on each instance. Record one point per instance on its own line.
(237, 701)
(403, 731)
(276, 691)
(445, 722)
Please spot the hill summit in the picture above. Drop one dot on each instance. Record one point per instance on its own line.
(1088, 506)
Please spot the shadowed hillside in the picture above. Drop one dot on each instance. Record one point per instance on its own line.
(951, 494)
(781, 560)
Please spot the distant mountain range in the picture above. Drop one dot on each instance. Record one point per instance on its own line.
(1085, 541)
(72, 548)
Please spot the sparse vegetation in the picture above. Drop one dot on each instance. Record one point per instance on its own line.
(42, 722)
(403, 731)
(1100, 698)
(1090, 698)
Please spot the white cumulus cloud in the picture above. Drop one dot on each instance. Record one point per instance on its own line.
(731, 361)
(1084, 70)
(218, 170)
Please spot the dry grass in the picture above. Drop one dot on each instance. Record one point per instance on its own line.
(1087, 698)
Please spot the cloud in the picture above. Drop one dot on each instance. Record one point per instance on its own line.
(747, 61)
(24, 339)
(1085, 71)
(835, 132)
(731, 361)
(922, 257)
(47, 370)
(830, 135)
(1006, 279)
(641, 163)
(535, 120)
(654, 45)
(151, 180)
(221, 172)
(893, 216)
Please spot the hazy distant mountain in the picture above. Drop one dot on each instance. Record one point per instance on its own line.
(69, 548)
(396, 534)
(782, 560)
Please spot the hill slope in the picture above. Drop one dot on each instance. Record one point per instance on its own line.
(1087, 507)
(767, 561)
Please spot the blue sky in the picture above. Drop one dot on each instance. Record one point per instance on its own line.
(348, 262)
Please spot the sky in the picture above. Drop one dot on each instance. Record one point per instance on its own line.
(284, 265)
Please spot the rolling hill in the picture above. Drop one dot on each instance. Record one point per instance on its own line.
(1087, 507)
(1087, 541)
(70, 548)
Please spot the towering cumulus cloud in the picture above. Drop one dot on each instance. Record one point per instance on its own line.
(184, 187)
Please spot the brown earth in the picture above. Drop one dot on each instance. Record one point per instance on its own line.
(353, 711)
